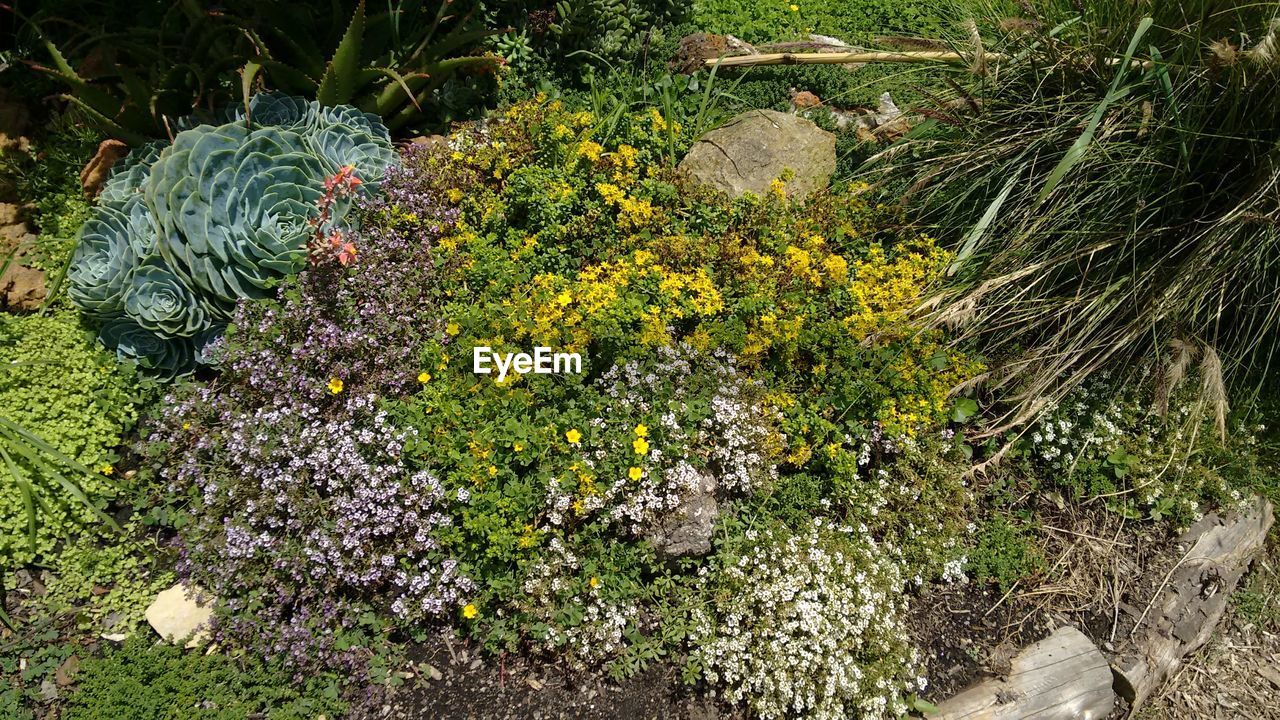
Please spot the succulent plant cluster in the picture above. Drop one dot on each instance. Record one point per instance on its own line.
(182, 231)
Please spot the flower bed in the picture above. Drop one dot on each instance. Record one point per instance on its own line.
(747, 366)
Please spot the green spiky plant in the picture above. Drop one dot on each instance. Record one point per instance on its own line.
(393, 63)
(1113, 193)
(131, 82)
(409, 62)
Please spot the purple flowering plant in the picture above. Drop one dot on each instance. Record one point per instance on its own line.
(304, 510)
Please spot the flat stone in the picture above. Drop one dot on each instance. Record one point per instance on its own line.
(687, 530)
(757, 147)
(176, 616)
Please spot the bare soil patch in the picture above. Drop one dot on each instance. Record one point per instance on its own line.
(456, 681)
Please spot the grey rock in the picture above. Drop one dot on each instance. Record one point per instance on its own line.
(687, 530)
(755, 148)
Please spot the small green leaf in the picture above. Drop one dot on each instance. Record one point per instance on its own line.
(921, 705)
(965, 408)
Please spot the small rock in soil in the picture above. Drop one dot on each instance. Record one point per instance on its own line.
(176, 615)
(66, 672)
(687, 530)
(22, 288)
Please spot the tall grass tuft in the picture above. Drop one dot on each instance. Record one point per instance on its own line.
(1113, 193)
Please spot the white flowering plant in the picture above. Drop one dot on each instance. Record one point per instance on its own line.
(1147, 462)
(807, 624)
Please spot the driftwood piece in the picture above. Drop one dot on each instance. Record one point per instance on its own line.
(98, 168)
(1062, 676)
(1190, 602)
(841, 58)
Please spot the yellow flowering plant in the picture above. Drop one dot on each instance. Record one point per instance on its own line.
(761, 343)
(624, 257)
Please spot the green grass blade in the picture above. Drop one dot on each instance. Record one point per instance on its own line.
(1080, 147)
(974, 237)
(69, 486)
(1161, 72)
(27, 493)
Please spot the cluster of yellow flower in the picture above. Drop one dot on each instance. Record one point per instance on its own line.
(886, 290)
(571, 311)
(776, 282)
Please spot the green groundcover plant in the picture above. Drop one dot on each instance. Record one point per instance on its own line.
(853, 21)
(60, 387)
(144, 681)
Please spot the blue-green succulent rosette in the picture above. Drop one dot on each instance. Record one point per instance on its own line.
(160, 356)
(106, 255)
(161, 302)
(184, 230)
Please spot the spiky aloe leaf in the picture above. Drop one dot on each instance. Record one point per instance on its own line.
(340, 79)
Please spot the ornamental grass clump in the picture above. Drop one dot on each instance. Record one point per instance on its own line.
(185, 230)
(1111, 189)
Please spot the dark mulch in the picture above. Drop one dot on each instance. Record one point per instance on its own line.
(1101, 573)
(467, 684)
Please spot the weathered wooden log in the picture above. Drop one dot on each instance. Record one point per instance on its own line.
(839, 58)
(1063, 676)
(1190, 602)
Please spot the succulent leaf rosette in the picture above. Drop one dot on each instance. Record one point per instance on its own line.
(185, 230)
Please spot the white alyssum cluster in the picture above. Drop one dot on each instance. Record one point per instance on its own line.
(808, 626)
(1146, 452)
(712, 430)
(552, 585)
(738, 428)
(1078, 426)
(656, 493)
